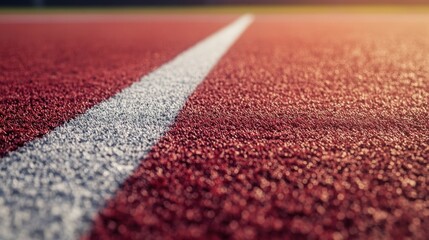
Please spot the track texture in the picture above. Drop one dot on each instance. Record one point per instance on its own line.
(50, 72)
(309, 128)
(54, 186)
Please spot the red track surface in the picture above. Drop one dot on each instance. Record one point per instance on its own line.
(308, 128)
(50, 72)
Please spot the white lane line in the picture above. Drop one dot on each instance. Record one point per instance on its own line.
(52, 187)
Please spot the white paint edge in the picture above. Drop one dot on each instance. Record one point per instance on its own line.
(52, 187)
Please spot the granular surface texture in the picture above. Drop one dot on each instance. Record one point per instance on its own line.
(52, 71)
(308, 128)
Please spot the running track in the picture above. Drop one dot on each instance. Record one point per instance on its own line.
(308, 127)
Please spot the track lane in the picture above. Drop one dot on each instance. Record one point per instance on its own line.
(307, 128)
(52, 72)
(52, 186)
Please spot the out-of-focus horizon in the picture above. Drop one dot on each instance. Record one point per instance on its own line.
(195, 2)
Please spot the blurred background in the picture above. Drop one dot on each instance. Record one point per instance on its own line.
(40, 3)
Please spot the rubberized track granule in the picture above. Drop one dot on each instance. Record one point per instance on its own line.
(310, 127)
(51, 72)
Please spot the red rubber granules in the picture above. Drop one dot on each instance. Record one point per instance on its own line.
(309, 128)
(50, 72)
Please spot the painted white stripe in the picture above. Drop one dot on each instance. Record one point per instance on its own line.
(53, 186)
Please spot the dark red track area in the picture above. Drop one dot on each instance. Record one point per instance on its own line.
(50, 72)
(308, 128)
